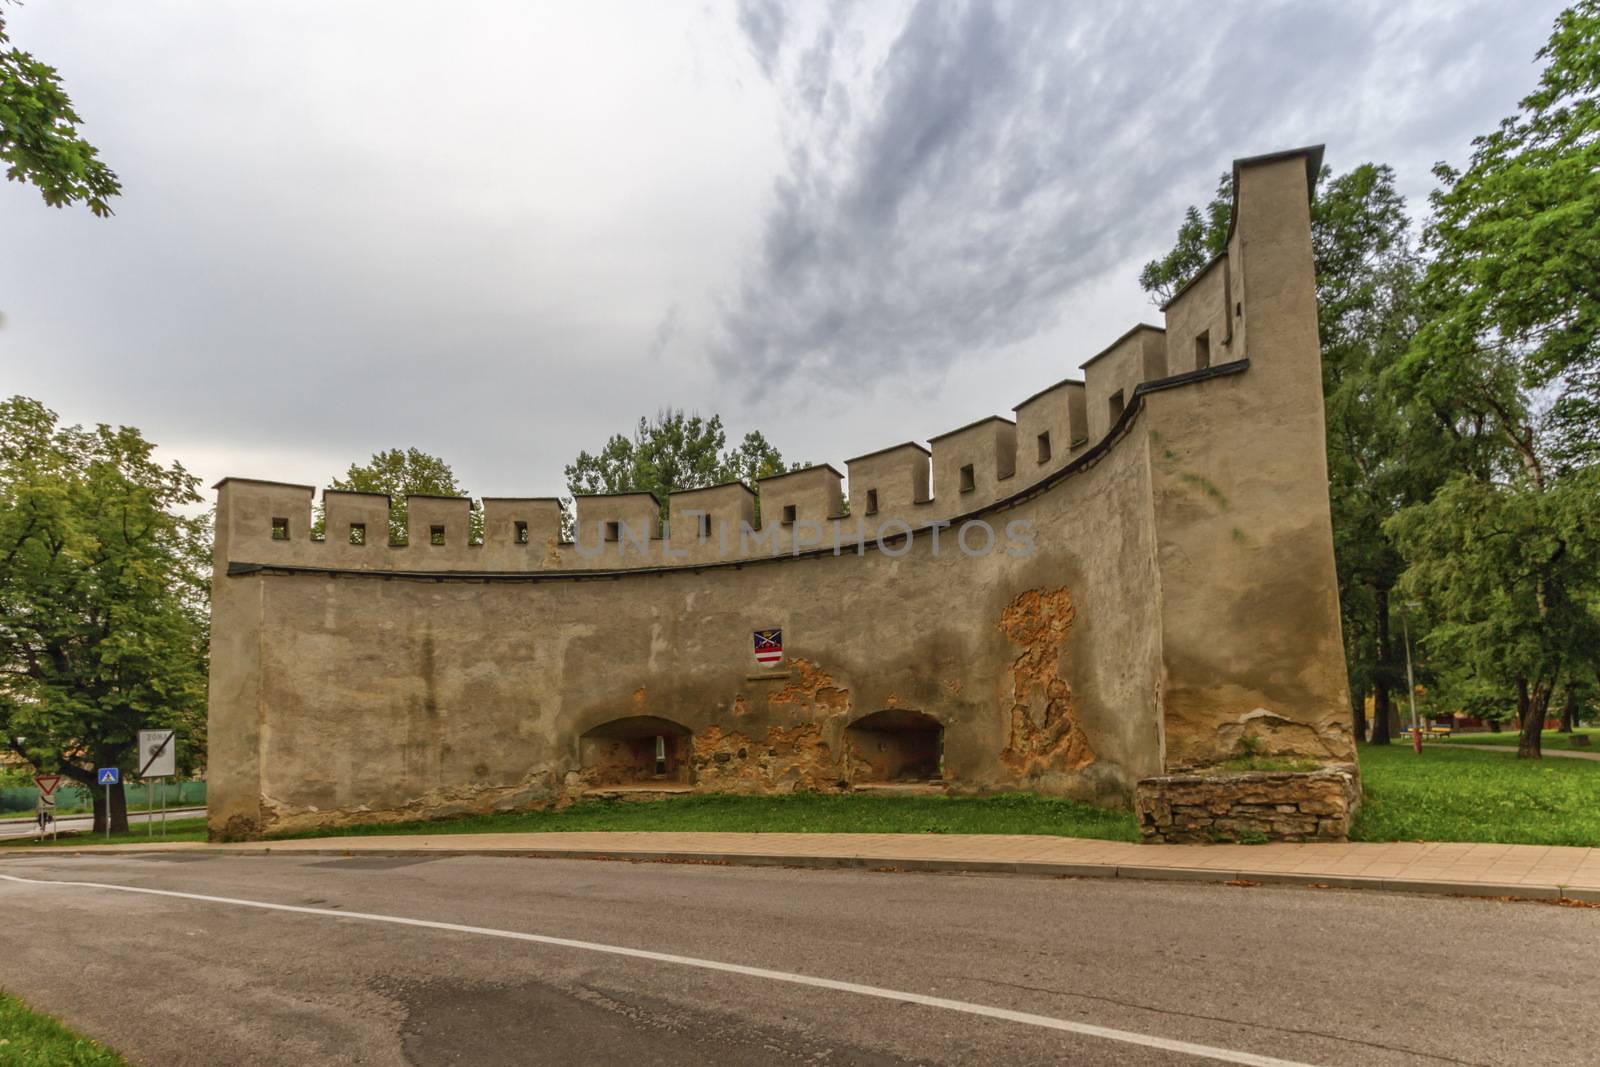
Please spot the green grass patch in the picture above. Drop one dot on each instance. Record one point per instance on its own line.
(1460, 795)
(1446, 794)
(28, 1039)
(822, 813)
(188, 829)
(1547, 739)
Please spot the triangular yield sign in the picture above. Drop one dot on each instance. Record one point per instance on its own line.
(47, 782)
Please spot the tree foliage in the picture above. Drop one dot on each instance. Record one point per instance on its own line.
(1508, 357)
(672, 452)
(103, 596)
(1202, 236)
(1462, 383)
(39, 139)
(400, 472)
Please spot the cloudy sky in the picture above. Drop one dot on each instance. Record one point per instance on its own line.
(501, 232)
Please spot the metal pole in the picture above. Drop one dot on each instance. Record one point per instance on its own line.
(163, 808)
(108, 811)
(149, 816)
(1411, 682)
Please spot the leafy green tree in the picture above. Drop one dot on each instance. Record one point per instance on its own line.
(39, 139)
(103, 597)
(1510, 346)
(1505, 570)
(673, 452)
(1378, 458)
(1202, 236)
(399, 472)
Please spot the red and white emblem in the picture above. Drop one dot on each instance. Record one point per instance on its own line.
(769, 647)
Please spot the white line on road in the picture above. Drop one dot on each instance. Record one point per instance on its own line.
(1047, 1022)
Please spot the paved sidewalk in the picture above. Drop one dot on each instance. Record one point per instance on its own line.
(1527, 871)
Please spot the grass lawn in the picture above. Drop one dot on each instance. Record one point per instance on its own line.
(1460, 795)
(1011, 813)
(1446, 794)
(189, 829)
(1548, 739)
(28, 1039)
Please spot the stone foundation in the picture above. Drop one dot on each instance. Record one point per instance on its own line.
(1249, 806)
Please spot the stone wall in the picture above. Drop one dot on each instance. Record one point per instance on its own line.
(1150, 603)
(1249, 806)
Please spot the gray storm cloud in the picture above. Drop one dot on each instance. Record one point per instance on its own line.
(503, 232)
(994, 158)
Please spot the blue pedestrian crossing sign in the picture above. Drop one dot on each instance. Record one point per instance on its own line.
(109, 776)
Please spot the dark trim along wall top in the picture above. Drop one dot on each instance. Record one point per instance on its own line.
(1049, 389)
(891, 448)
(1108, 349)
(1087, 459)
(971, 426)
(265, 481)
(1313, 157)
(802, 470)
(708, 488)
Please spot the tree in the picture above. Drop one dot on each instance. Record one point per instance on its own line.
(1511, 344)
(1201, 238)
(399, 472)
(103, 597)
(670, 453)
(39, 139)
(1504, 569)
(1378, 457)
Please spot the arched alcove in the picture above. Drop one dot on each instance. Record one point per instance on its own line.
(896, 745)
(635, 750)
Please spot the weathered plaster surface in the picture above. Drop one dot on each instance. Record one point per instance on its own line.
(1173, 602)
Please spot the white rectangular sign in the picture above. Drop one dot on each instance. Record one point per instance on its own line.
(158, 753)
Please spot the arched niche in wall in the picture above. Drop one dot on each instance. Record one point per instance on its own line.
(636, 750)
(896, 745)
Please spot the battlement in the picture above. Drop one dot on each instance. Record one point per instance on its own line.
(891, 491)
(1135, 579)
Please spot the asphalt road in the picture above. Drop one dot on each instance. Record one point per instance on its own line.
(484, 961)
(26, 827)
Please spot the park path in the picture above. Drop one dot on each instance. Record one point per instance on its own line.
(1528, 871)
(1560, 752)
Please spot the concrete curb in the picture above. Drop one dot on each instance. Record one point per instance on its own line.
(1033, 868)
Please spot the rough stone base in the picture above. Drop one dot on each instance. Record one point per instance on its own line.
(1249, 806)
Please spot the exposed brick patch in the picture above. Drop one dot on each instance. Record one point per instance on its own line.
(1044, 731)
(782, 760)
(1255, 805)
(809, 684)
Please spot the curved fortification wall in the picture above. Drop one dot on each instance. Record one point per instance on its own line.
(1109, 596)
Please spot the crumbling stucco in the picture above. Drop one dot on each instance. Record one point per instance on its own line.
(1045, 735)
(811, 686)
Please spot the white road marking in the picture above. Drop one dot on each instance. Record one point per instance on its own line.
(1047, 1022)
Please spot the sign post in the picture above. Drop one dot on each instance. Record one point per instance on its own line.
(158, 758)
(47, 784)
(108, 777)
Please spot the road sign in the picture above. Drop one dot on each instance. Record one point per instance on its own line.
(47, 783)
(46, 802)
(108, 776)
(158, 753)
